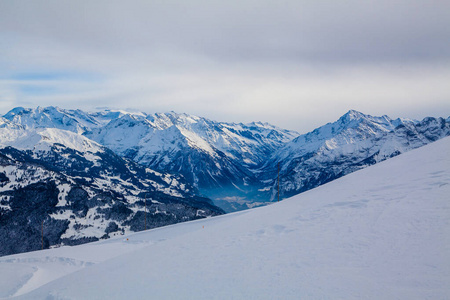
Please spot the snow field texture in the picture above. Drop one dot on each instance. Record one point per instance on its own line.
(379, 233)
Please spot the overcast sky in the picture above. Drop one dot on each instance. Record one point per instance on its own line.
(296, 64)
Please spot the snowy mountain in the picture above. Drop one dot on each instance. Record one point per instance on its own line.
(236, 165)
(380, 233)
(52, 117)
(81, 190)
(353, 142)
(218, 158)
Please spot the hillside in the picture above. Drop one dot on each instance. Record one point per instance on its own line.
(379, 233)
(79, 191)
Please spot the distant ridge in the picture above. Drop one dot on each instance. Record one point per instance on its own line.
(233, 163)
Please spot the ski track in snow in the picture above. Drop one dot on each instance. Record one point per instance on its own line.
(380, 233)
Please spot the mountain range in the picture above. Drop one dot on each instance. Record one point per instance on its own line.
(93, 175)
(353, 142)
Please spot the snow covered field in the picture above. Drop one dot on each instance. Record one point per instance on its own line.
(379, 233)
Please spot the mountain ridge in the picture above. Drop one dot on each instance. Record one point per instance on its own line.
(238, 162)
(353, 142)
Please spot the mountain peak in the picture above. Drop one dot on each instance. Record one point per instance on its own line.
(352, 115)
(50, 117)
(355, 118)
(16, 111)
(47, 108)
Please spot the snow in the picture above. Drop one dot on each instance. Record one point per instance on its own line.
(353, 127)
(42, 140)
(379, 233)
(91, 227)
(63, 192)
(19, 177)
(51, 117)
(265, 189)
(195, 141)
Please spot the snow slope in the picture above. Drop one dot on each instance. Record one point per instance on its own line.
(379, 233)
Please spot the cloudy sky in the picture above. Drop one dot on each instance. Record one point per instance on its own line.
(296, 64)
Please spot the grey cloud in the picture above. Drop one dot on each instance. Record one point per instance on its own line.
(243, 30)
(297, 63)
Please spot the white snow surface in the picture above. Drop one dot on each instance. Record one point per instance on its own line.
(43, 139)
(379, 233)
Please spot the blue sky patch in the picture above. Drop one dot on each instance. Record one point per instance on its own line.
(55, 76)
